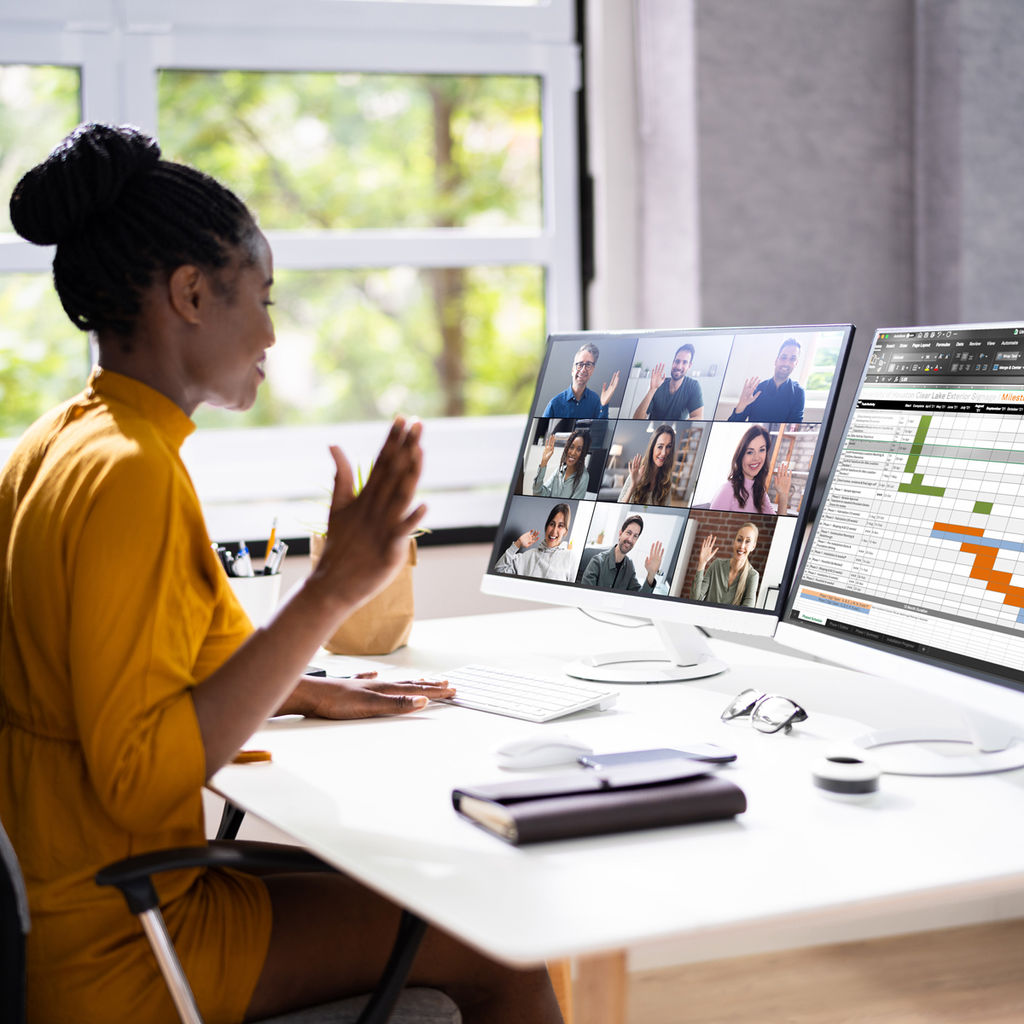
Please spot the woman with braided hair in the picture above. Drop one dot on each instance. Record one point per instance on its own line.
(129, 673)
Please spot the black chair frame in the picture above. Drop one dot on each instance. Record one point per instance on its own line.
(133, 877)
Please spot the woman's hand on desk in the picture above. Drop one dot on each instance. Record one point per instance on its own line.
(360, 697)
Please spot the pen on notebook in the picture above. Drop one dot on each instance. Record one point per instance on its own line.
(271, 539)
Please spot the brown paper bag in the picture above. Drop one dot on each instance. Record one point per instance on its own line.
(384, 623)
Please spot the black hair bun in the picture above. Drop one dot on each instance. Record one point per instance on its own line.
(81, 178)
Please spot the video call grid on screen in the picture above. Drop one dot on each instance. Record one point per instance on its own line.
(675, 447)
(919, 545)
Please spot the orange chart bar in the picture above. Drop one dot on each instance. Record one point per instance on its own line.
(984, 560)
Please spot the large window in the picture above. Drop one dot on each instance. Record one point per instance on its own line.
(414, 167)
(335, 152)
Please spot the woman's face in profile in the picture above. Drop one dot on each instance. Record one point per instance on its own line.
(226, 362)
(662, 447)
(745, 542)
(573, 452)
(754, 455)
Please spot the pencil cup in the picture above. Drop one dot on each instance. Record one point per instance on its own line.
(258, 595)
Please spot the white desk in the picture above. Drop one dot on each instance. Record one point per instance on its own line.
(373, 798)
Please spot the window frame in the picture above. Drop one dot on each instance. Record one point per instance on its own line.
(120, 46)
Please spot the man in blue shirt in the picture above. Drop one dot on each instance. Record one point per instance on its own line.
(678, 398)
(777, 399)
(577, 401)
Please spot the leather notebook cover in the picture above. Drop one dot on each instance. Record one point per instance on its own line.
(587, 802)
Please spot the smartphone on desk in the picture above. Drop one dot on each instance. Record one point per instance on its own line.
(710, 752)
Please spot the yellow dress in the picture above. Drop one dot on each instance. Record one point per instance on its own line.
(112, 606)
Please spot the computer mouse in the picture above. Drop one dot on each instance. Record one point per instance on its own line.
(541, 751)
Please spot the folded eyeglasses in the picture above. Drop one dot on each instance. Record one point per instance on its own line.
(768, 711)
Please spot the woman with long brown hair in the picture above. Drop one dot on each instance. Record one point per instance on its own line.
(650, 475)
(746, 489)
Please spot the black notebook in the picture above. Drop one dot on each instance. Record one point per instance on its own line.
(588, 802)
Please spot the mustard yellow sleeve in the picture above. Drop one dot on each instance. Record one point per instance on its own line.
(141, 607)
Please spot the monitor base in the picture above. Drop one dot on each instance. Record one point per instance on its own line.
(685, 655)
(640, 667)
(916, 759)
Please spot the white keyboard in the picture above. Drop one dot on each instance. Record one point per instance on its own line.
(523, 695)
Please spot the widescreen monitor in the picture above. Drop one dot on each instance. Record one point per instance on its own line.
(915, 567)
(666, 474)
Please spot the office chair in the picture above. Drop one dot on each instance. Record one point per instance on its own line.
(560, 971)
(133, 877)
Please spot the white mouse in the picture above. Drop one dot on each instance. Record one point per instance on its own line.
(541, 750)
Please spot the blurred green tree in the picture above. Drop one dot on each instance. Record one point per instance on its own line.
(43, 357)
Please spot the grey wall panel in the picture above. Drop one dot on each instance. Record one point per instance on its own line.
(992, 158)
(669, 265)
(805, 137)
(938, 201)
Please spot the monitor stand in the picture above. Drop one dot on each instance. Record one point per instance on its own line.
(992, 747)
(685, 655)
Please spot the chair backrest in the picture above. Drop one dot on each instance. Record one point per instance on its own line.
(14, 925)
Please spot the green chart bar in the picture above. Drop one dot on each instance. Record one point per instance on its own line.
(916, 485)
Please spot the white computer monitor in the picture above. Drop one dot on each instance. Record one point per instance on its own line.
(915, 567)
(666, 474)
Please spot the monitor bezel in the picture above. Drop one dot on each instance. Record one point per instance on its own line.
(760, 622)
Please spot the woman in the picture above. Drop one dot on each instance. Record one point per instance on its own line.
(729, 580)
(570, 479)
(746, 490)
(552, 560)
(128, 672)
(651, 475)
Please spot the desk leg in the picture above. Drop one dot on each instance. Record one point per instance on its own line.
(599, 992)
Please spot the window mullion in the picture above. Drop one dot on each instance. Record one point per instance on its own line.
(428, 248)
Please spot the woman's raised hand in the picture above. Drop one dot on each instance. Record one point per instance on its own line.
(783, 486)
(527, 539)
(634, 469)
(549, 450)
(368, 534)
(708, 550)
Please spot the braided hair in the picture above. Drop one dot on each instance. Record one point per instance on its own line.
(120, 216)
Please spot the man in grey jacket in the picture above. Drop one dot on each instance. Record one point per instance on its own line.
(614, 568)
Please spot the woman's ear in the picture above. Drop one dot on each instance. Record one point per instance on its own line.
(185, 287)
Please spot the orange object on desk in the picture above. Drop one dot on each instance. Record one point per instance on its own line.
(251, 756)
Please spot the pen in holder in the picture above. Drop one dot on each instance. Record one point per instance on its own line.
(258, 595)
